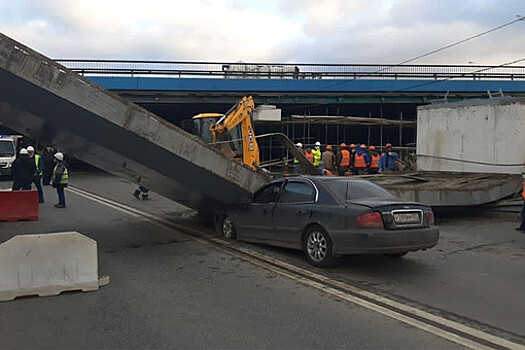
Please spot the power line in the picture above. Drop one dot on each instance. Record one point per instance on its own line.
(520, 18)
(462, 75)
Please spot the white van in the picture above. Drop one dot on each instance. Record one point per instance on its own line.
(7, 153)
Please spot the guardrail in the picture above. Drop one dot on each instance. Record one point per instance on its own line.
(174, 69)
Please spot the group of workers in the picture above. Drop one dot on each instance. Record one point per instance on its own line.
(30, 168)
(355, 159)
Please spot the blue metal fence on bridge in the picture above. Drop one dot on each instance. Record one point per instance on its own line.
(287, 77)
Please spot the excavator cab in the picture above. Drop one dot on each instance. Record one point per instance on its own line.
(201, 127)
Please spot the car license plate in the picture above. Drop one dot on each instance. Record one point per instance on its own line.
(407, 218)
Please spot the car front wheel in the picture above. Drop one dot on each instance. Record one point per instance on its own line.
(228, 228)
(317, 246)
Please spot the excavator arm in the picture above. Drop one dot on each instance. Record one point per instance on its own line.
(239, 114)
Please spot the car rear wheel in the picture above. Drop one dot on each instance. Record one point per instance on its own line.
(228, 228)
(317, 246)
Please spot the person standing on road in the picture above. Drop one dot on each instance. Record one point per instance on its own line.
(388, 158)
(22, 170)
(328, 159)
(37, 177)
(48, 160)
(343, 159)
(522, 226)
(374, 160)
(361, 161)
(60, 179)
(353, 151)
(309, 155)
(317, 153)
(296, 163)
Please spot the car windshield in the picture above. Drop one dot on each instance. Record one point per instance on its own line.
(348, 190)
(7, 149)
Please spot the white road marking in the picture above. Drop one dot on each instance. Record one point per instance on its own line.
(282, 268)
(103, 202)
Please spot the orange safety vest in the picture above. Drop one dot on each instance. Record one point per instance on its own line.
(359, 161)
(523, 192)
(327, 172)
(345, 158)
(374, 162)
(309, 156)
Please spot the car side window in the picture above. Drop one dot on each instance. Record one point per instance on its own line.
(297, 192)
(267, 194)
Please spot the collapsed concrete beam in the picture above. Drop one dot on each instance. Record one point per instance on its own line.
(44, 100)
(48, 264)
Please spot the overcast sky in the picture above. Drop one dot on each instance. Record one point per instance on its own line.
(330, 31)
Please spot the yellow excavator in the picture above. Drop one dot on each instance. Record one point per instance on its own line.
(232, 133)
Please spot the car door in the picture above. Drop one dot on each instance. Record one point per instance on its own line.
(292, 212)
(256, 221)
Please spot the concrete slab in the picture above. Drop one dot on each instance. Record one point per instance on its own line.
(443, 189)
(46, 101)
(48, 264)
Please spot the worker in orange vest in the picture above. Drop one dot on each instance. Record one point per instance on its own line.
(374, 160)
(361, 161)
(324, 171)
(343, 159)
(309, 155)
(522, 226)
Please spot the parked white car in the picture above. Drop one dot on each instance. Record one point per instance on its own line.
(7, 153)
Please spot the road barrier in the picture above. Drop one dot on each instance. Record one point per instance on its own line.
(18, 205)
(48, 264)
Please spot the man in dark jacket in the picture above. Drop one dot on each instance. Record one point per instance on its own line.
(23, 170)
(48, 159)
(60, 179)
(328, 158)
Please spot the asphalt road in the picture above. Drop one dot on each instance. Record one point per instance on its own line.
(167, 290)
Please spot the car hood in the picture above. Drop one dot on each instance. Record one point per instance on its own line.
(374, 203)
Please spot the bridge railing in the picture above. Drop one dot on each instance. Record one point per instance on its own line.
(173, 69)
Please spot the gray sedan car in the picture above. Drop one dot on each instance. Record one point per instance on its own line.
(330, 216)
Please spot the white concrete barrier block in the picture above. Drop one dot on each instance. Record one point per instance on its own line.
(48, 264)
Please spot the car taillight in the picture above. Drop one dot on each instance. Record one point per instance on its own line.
(430, 214)
(371, 220)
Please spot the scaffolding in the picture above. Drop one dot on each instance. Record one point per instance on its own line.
(333, 130)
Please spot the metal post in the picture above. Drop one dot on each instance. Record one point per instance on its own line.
(271, 155)
(309, 125)
(401, 129)
(381, 126)
(337, 126)
(368, 140)
(304, 129)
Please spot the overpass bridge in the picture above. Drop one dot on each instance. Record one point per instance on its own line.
(178, 90)
(285, 83)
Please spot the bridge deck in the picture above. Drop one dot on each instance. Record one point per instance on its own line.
(46, 101)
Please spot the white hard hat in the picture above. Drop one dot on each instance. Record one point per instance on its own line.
(23, 151)
(318, 143)
(30, 149)
(299, 144)
(59, 156)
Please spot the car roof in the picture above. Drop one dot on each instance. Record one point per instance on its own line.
(318, 179)
(325, 178)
